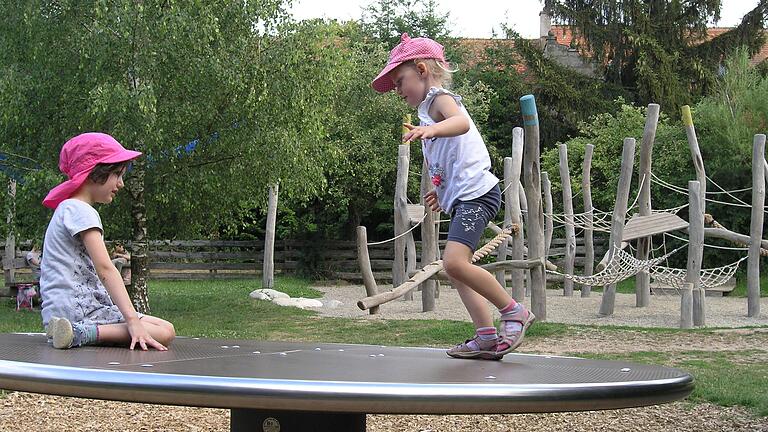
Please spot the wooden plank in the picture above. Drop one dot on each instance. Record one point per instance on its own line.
(644, 226)
(203, 255)
(201, 266)
(204, 243)
(202, 276)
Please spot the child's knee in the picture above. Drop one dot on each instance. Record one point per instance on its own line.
(170, 332)
(455, 265)
(165, 333)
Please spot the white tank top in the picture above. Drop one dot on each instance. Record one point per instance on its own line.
(458, 166)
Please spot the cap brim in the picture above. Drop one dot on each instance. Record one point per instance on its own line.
(65, 190)
(383, 83)
(121, 156)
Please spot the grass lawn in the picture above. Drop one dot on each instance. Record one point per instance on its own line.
(222, 309)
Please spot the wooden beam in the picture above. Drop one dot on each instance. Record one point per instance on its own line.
(696, 252)
(365, 266)
(589, 239)
(401, 214)
(268, 264)
(617, 222)
(756, 226)
(512, 170)
(570, 231)
(643, 279)
(535, 221)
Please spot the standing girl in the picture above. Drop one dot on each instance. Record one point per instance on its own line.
(84, 299)
(459, 166)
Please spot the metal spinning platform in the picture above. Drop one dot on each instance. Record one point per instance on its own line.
(275, 386)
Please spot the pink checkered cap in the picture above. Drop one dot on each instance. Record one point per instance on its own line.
(407, 49)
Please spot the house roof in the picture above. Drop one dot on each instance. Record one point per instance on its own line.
(564, 36)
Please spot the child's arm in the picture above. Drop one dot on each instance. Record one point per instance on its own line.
(450, 121)
(112, 280)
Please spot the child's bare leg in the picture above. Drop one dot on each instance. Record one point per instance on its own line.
(476, 305)
(160, 330)
(457, 261)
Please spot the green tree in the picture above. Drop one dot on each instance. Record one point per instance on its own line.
(237, 76)
(726, 122)
(671, 157)
(657, 48)
(386, 20)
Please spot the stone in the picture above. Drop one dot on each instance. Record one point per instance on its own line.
(268, 294)
(331, 304)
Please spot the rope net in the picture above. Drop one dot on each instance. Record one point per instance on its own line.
(601, 221)
(710, 278)
(620, 266)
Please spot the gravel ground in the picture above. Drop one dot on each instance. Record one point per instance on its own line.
(25, 412)
(664, 310)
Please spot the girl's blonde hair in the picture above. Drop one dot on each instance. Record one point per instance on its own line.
(442, 73)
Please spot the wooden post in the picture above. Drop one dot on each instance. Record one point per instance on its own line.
(268, 266)
(686, 307)
(695, 251)
(546, 187)
(524, 211)
(535, 223)
(364, 260)
(503, 250)
(617, 222)
(512, 200)
(401, 216)
(589, 242)
(643, 278)
(756, 226)
(570, 231)
(10, 238)
(428, 242)
(698, 161)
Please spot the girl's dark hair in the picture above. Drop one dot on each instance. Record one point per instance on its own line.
(102, 171)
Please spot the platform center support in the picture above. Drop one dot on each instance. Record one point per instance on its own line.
(254, 420)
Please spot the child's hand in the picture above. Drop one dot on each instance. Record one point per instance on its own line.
(418, 132)
(430, 199)
(140, 335)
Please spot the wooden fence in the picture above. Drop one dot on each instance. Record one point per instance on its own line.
(229, 259)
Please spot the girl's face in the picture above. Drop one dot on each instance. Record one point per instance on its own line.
(105, 193)
(411, 83)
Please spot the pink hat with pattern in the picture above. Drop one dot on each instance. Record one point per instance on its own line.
(407, 49)
(79, 156)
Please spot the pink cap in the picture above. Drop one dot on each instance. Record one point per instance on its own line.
(407, 49)
(79, 156)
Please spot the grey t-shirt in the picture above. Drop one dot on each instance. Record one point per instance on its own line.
(69, 285)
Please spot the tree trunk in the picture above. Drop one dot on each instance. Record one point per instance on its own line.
(139, 246)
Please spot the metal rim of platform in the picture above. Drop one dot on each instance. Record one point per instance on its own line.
(304, 395)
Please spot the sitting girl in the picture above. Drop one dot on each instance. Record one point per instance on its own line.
(84, 299)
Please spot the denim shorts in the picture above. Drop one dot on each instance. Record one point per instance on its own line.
(469, 218)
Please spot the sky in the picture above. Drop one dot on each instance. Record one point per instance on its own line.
(477, 19)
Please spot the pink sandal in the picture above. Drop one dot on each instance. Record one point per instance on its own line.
(508, 342)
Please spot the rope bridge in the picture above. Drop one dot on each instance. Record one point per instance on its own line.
(710, 278)
(621, 266)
